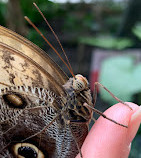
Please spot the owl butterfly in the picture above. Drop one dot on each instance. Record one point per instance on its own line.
(43, 113)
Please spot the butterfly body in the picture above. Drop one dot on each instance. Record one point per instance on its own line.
(40, 107)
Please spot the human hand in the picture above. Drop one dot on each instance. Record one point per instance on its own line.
(109, 140)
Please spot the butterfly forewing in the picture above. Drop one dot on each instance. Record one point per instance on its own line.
(31, 52)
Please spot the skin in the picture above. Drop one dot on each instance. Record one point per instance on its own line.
(108, 140)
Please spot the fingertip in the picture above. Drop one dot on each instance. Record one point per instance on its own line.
(107, 139)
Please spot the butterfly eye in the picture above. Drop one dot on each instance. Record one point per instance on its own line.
(27, 150)
(80, 83)
(14, 100)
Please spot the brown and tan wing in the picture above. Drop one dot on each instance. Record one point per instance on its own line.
(21, 128)
(24, 63)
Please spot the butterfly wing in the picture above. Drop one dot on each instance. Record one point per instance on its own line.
(23, 63)
(20, 123)
(27, 128)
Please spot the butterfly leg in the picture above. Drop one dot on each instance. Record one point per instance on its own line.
(103, 115)
(96, 84)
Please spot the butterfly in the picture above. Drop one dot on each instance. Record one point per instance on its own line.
(43, 113)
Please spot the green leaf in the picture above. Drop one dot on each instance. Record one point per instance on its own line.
(137, 30)
(107, 42)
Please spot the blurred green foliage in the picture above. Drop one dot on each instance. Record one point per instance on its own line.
(135, 147)
(137, 30)
(32, 36)
(2, 13)
(49, 9)
(122, 79)
(80, 19)
(128, 86)
(107, 42)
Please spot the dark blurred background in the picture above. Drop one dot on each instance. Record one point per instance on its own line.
(102, 39)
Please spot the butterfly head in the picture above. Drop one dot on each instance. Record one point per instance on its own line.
(80, 83)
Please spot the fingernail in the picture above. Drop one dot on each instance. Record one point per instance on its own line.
(134, 124)
(130, 146)
(136, 115)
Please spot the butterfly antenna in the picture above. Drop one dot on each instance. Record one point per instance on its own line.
(41, 34)
(53, 34)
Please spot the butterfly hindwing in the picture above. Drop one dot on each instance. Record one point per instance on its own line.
(21, 124)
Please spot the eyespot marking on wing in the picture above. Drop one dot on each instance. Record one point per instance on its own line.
(14, 100)
(27, 150)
